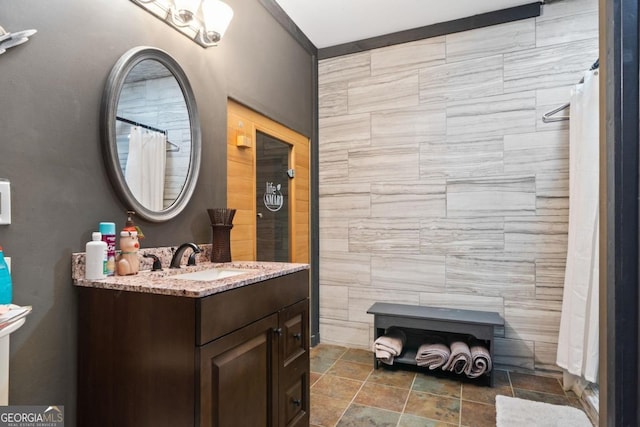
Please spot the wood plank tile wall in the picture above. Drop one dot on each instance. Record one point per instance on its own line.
(439, 183)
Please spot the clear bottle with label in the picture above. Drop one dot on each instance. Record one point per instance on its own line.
(6, 291)
(95, 257)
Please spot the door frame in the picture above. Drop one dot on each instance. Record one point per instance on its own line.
(305, 161)
(313, 191)
(242, 125)
(619, 214)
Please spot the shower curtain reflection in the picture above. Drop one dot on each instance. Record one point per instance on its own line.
(146, 162)
(578, 339)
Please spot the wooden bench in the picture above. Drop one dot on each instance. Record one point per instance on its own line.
(479, 324)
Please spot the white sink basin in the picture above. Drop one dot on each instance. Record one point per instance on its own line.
(211, 274)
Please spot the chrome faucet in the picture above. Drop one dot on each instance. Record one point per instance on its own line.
(177, 256)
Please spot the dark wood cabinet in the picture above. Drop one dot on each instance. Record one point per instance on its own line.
(237, 358)
(258, 375)
(294, 366)
(237, 385)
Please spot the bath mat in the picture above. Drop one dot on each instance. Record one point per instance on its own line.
(514, 412)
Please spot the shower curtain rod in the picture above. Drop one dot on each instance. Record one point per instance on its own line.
(546, 118)
(174, 148)
(142, 125)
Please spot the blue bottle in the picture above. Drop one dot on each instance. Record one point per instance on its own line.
(5, 280)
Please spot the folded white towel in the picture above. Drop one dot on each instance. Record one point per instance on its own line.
(389, 345)
(432, 355)
(480, 361)
(392, 341)
(384, 356)
(460, 358)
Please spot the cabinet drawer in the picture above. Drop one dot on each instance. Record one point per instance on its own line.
(295, 402)
(228, 311)
(294, 321)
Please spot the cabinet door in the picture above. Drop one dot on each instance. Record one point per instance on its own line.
(294, 365)
(237, 383)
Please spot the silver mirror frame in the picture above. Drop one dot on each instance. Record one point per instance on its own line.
(109, 107)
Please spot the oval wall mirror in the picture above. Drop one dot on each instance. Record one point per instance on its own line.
(151, 133)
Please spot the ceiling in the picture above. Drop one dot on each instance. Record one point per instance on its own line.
(333, 22)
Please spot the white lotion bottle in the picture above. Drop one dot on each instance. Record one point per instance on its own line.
(95, 257)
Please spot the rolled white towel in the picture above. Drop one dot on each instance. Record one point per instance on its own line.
(480, 361)
(460, 358)
(432, 355)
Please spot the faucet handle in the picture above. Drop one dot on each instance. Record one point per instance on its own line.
(157, 265)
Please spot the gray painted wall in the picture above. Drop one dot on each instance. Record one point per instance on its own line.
(50, 91)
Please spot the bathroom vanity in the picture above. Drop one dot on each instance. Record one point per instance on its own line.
(157, 349)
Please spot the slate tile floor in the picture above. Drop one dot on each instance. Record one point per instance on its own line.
(347, 392)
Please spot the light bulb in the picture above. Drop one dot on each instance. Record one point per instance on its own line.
(184, 11)
(217, 16)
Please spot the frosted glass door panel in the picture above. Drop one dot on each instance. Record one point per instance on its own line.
(272, 198)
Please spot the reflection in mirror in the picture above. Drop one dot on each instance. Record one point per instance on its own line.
(154, 160)
(151, 133)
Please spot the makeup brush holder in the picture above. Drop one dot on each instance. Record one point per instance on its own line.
(221, 243)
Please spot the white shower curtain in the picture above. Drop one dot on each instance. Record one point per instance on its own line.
(145, 168)
(578, 340)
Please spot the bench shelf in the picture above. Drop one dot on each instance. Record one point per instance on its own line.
(444, 321)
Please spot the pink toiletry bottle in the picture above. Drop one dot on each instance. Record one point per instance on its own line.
(108, 231)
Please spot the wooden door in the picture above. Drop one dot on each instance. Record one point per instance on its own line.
(238, 382)
(243, 124)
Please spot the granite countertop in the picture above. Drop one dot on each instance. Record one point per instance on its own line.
(161, 282)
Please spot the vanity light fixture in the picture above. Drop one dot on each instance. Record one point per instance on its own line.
(8, 39)
(203, 21)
